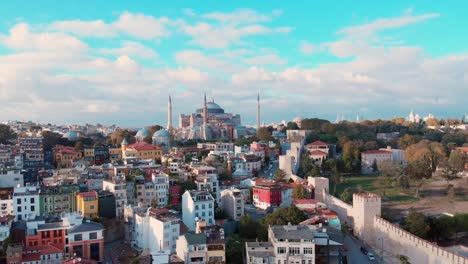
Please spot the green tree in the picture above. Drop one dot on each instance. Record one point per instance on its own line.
(292, 126)
(280, 175)
(6, 134)
(416, 223)
(403, 259)
(148, 139)
(346, 196)
(299, 192)
(383, 183)
(264, 134)
(247, 227)
(457, 161)
(281, 216)
(408, 140)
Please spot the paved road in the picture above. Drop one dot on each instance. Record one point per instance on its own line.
(354, 251)
(266, 172)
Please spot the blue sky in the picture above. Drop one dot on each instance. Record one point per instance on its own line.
(117, 62)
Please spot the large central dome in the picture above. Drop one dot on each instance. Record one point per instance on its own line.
(212, 108)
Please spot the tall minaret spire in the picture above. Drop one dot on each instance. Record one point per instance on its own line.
(169, 114)
(258, 112)
(205, 118)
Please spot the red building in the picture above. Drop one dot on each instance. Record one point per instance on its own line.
(265, 194)
(47, 234)
(174, 193)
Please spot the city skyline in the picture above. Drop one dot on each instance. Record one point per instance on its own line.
(118, 63)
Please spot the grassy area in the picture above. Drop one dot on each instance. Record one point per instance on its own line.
(368, 184)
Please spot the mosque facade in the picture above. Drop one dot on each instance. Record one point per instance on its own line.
(211, 122)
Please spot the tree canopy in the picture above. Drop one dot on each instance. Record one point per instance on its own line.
(6, 134)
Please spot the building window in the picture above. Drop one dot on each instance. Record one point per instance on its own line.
(78, 237)
(18, 201)
(91, 207)
(93, 235)
(294, 251)
(308, 250)
(281, 250)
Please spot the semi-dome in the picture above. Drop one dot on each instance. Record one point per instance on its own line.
(71, 135)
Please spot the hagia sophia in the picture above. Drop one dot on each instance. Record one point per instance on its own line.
(209, 122)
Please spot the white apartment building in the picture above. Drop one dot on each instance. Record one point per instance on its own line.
(202, 247)
(161, 188)
(197, 206)
(26, 202)
(218, 146)
(398, 156)
(248, 162)
(6, 205)
(209, 183)
(232, 201)
(11, 179)
(156, 230)
(293, 244)
(119, 188)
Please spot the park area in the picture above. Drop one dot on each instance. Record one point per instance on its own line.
(434, 197)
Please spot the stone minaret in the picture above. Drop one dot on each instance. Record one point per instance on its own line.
(205, 118)
(169, 114)
(258, 112)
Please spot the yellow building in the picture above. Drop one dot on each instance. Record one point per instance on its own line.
(87, 204)
(65, 156)
(141, 150)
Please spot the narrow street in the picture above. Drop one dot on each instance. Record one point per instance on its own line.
(354, 251)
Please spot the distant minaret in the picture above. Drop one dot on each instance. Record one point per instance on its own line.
(205, 118)
(169, 114)
(258, 112)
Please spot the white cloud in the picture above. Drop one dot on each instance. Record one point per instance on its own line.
(195, 58)
(239, 16)
(369, 29)
(308, 48)
(96, 28)
(269, 59)
(223, 36)
(142, 26)
(132, 48)
(21, 38)
(131, 24)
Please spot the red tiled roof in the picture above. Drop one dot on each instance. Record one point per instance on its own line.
(305, 201)
(377, 151)
(139, 146)
(464, 149)
(318, 143)
(65, 150)
(88, 194)
(318, 152)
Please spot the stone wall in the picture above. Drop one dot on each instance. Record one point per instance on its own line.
(392, 238)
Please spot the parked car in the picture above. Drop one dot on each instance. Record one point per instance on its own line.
(364, 250)
(370, 256)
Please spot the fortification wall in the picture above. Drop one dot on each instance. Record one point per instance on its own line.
(399, 241)
(344, 210)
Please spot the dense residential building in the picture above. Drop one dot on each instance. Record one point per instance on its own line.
(6, 202)
(218, 146)
(294, 244)
(16, 254)
(32, 150)
(266, 194)
(86, 240)
(141, 150)
(11, 178)
(197, 206)
(153, 191)
(209, 183)
(117, 186)
(26, 203)
(157, 230)
(206, 245)
(107, 204)
(65, 156)
(96, 155)
(232, 201)
(248, 162)
(54, 200)
(87, 204)
(318, 145)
